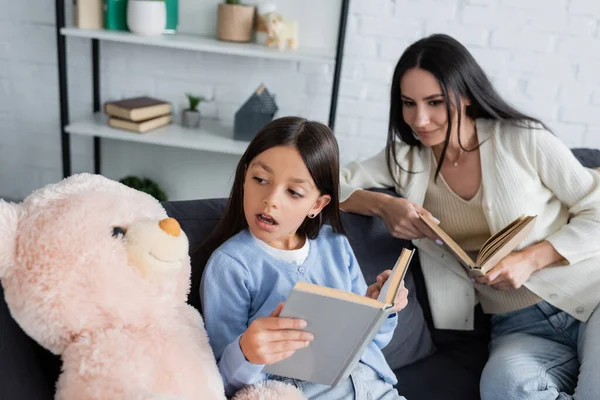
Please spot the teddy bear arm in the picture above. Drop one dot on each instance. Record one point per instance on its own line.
(269, 390)
(71, 385)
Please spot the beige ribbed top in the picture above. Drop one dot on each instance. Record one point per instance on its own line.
(525, 170)
(464, 220)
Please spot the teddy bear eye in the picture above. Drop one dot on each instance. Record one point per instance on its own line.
(118, 232)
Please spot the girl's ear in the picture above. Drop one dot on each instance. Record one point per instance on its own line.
(9, 219)
(319, 205)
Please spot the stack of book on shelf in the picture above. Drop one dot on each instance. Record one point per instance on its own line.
(138, 114)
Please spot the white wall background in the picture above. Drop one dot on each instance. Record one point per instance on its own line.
(543, 55)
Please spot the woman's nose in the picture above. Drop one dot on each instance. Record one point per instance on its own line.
(421, 117)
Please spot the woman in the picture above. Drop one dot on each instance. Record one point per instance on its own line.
(458, 152)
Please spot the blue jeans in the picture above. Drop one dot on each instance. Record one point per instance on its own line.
(543, 353)
(363, 384)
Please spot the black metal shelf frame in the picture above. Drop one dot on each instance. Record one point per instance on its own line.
(61, 47)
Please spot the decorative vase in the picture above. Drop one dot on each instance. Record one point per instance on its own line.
(260, 29)
(88, 14)
(190, 119)
(146, 17)
(172, 15)
(235, 22)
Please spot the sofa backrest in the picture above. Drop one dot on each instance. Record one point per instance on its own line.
(375, 249)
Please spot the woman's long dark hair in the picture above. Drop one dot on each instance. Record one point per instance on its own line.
(458, 74)
(319, 150)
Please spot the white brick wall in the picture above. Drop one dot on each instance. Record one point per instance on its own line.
(544, 56)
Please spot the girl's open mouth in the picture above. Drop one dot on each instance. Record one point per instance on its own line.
(266, 218)
(265, 222)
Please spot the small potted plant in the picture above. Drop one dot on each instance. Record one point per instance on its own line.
(145, 185)
(147, 17)
(190, 117)
(235, 21)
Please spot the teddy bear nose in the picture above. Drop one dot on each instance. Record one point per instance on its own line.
(171, 226)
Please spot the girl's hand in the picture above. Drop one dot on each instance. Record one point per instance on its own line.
(374, 290)
(271, 339)
(402, 219)
(511, 272)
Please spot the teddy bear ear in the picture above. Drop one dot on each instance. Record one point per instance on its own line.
(9, 218)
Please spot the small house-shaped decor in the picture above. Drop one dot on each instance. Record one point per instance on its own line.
(256, 112)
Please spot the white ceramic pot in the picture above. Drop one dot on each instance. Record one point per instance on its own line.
(146, 17)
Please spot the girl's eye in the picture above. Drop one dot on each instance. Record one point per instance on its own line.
(296, 194)
(435, 102)
(118, 232)
(408, 103)
(259, 180)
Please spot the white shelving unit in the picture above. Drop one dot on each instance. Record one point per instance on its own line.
(211, 136)
(205, 44)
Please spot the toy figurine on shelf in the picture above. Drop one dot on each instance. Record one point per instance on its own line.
(281, 32)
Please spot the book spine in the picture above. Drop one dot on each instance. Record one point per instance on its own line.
(358, 351)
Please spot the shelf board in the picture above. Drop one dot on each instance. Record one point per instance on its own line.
(205, 44)
(210, 137)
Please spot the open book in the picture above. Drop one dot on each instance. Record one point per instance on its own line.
(343, 324)
(493, 250)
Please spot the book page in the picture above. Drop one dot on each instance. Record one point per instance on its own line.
(449, 242)
(493, 241)
(490, 247)
(390, 288)
(338, 294)
(512, 241)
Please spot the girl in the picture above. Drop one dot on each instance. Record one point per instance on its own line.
(271, 236)
(457, 150)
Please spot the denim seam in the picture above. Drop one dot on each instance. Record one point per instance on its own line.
(550, 365)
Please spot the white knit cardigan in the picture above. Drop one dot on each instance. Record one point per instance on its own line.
(524, 171)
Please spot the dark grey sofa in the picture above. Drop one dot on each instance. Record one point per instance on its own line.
(429, 363)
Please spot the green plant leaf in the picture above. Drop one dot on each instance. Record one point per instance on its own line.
(145, 185)
(194, 101)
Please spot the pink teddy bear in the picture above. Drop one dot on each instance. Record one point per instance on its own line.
(97, 272)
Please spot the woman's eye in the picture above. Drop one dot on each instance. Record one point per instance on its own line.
(296, 194)
(408, 103)
(118, 232)
(259, 180)
(435, 103)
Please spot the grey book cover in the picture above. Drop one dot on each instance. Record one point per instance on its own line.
(341, 328)
(343, 325)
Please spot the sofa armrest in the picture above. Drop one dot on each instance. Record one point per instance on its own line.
(21, 373)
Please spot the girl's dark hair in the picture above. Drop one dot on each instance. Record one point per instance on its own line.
(319, 150)
(459, 75)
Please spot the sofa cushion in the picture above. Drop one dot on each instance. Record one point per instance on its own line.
(20, 374)
(589, 158)
(375, 250)
(197, 219)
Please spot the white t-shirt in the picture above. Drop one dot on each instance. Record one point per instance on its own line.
(296, 257)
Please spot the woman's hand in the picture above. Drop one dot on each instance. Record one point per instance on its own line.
(402, 219)
(511, 272)
(374, 290)
(271, 339)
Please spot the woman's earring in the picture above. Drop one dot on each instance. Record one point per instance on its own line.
(311, 216)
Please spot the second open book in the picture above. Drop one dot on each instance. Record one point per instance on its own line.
(343, 325)
(493, 250)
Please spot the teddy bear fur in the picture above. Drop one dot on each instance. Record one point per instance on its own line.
(96, 272)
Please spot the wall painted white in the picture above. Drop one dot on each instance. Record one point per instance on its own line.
(544, 56)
